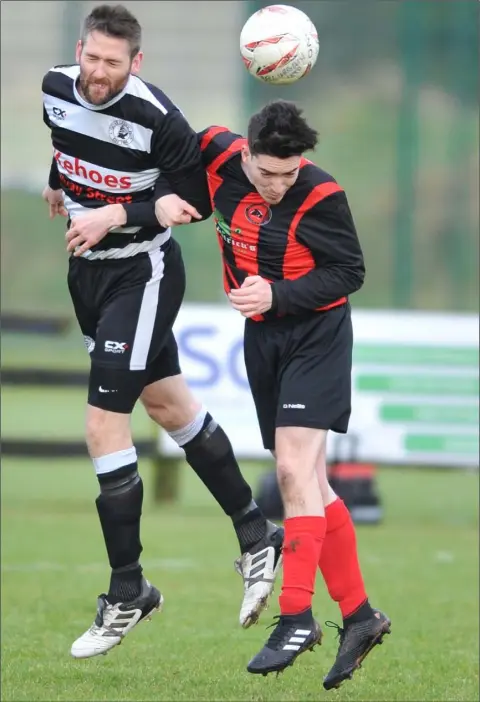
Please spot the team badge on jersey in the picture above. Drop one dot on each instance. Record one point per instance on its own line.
(121, 132)
(258, 214)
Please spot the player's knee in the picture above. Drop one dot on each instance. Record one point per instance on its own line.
(106, 432)
(289, 480)
(170, 403)
(296, 450)
(172, 415)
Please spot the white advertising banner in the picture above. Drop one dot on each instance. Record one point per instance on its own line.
(415, 385)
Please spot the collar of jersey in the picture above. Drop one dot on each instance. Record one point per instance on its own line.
(97, 108)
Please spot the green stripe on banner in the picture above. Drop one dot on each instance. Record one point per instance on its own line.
(434, 414)
(434, 443)
(466, 357)
(453, 385)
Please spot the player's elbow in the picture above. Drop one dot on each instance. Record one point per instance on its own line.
(204, 207)
(352, 278)
(356, 278)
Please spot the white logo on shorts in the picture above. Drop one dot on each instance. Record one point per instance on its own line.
(89, 343)
(289, 406)
(104, 390)
(115, 347)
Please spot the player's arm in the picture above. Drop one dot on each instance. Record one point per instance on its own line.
(209, 146)
(328, 230)
(177, 153)
(53, 193)
(54, 176)
(142, 214)
(183, 181)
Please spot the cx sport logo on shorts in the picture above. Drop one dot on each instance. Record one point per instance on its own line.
(115, 347)
(110, 346)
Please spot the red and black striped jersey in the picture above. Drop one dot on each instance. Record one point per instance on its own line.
(306, 246)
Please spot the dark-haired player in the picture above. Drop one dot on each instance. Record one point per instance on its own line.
(291, 259)
(122, 148)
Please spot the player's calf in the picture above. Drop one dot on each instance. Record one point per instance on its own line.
(130, 598)
(209, 452)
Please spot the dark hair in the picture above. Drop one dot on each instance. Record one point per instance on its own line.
(114, 21)
(280, 130)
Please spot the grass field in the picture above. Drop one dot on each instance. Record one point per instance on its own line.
(421, 566)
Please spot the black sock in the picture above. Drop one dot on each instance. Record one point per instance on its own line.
(211, 456)
(363, 612)
(125, 584)
(305, 617)
(119, 507)
(250, 526)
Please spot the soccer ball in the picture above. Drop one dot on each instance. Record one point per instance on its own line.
(279, 44)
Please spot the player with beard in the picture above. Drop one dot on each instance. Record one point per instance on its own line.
(121, 149)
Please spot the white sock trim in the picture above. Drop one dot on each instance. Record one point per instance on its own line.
(183, 436)
(113, 461)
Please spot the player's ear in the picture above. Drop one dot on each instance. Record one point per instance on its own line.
(245, 153)
(78, 50)
(137, 63)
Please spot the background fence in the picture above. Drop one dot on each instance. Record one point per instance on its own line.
(394, 96)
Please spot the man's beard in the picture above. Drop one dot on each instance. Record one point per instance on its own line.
(106, 92)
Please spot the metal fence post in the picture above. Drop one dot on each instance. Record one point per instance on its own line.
(460, 263)
(73, 15)
(410, 37)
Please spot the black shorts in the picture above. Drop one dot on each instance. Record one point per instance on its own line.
(299, 370)
(126, 309)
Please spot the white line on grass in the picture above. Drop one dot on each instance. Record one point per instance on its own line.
(444, 557)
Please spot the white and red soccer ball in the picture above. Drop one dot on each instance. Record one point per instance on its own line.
(279, 44)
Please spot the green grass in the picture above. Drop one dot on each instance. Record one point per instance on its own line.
(421, 566)
(49, 412)
(54, 413)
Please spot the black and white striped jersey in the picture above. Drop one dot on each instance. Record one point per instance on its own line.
(129, 151)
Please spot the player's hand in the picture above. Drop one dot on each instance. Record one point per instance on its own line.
(254, 297)
(88, 229)
(55, 202)
(171, 210)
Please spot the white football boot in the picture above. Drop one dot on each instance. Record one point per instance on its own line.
(114, 622)
(258, 568)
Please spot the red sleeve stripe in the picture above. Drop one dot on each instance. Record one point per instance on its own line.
(211, 134)
(305, 162)
(319, 193)
(234, 147)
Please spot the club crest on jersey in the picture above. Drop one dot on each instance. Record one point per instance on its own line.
(121, 132)
(258, 214)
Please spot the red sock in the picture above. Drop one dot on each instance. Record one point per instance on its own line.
(339, 560)
(301, 552)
